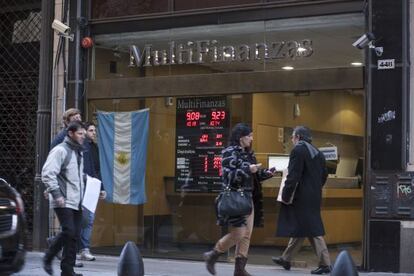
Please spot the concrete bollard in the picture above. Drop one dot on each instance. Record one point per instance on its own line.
(344, 265)
(130, 261)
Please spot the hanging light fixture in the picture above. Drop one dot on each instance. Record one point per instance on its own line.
(296, 110)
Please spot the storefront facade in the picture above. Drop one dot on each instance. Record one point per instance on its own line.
(271, 64)
(273, 73)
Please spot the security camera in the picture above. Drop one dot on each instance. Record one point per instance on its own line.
(60, 27)
(365, 40)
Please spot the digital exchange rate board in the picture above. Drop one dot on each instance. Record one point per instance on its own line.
(202, 126)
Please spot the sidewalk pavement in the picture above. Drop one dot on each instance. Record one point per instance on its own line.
(107, 266)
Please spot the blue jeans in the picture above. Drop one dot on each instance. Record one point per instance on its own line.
(86, 232)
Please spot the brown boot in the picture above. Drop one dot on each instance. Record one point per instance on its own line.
(239, 267)
(211, 258)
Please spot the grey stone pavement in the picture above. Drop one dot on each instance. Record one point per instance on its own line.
(107, 266)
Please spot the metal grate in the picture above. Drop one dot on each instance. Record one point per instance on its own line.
(6, 223)
(20, 23)
(5, 202)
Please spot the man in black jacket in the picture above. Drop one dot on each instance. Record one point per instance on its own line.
(91, 167)
(70, 115)
(302, 219)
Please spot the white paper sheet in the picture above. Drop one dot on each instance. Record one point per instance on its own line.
(282, 185)
(91, 197)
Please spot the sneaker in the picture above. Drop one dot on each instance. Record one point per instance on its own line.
(86, 255)
(322, 269)
(280, 261)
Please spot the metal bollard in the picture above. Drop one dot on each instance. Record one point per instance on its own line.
(344, 265)
(130, 262)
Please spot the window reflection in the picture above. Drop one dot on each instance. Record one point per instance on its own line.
(197, 4)
(182, 224)
(300, 43)
(115, 8)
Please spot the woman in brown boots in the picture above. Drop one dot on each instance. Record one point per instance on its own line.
(240, 171)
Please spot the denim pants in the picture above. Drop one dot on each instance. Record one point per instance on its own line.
(86, 232)
(70, 221)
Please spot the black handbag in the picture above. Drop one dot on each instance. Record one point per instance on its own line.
(234, 203)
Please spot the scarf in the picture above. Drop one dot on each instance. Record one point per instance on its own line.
(312, 150)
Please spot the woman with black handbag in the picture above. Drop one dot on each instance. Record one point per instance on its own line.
(241, 187)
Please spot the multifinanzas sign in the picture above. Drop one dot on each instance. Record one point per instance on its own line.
(212, 51)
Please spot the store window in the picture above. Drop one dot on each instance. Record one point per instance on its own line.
(178, 220)
(116, 8)
(194, 4)
(275, 45)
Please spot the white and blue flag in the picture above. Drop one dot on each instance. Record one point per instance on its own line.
(123, 139)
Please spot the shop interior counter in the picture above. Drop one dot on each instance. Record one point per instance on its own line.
(341, 207)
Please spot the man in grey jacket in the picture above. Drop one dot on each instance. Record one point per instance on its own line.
(63, 176)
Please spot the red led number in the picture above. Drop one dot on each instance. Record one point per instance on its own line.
(218, 115)
(217, 164)
(204, 138)
(205, 164)
(193, 116)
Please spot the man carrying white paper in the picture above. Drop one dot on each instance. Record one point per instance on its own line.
(303, 188)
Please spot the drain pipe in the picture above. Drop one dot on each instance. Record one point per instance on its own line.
(76, 56)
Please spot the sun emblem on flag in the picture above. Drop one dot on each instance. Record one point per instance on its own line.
(122, 157)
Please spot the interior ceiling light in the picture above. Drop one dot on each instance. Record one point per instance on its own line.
(288, 68)
(356, 63)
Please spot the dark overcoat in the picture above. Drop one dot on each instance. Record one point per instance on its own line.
(302, 218)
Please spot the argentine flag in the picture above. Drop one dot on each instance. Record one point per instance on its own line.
(123, 139)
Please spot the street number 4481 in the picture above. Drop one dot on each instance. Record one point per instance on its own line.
(386, 64)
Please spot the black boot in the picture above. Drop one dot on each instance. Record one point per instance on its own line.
(322, 269)
(47, 264)
(211, 259)
(239, 267)
(280, 261)
(71, 274)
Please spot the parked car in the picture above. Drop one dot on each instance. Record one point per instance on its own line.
(12, 230)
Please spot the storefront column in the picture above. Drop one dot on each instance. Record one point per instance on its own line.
(41, 206)
(411, 115)
(389, 204)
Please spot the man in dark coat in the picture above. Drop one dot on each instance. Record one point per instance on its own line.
(302, 218)
(70, 115)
